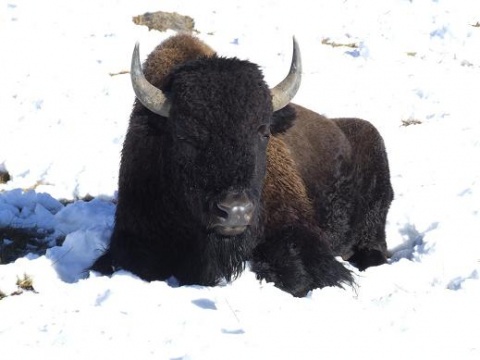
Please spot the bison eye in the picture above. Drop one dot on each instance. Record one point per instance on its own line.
(264, 131)
(187, 147)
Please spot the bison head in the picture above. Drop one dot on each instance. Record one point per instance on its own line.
(217, 114)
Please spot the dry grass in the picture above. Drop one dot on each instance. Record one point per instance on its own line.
(328, 41)
(18, 242)
(163, 21)
(121, 72)
(4, 177)
(409, 122)
(23, 284)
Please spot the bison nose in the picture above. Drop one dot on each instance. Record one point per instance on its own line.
(236, 212)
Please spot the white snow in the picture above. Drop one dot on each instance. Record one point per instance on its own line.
(63, 117)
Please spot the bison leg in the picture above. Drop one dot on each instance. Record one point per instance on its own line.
(104, 264)
(130, 253)
(296, 260)
(369, 233)
(372, 196)
(365, 258)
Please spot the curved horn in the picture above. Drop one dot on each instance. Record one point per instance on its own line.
(284, 92)
(150, 96)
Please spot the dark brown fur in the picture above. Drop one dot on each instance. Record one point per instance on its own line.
(336, 157)
(284, 197)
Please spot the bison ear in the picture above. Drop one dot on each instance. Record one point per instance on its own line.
(283, 119)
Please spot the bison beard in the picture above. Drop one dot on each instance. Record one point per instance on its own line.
(199, 138)
(206, 262)
(219, 259)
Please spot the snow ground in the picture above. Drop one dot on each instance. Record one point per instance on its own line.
(63, 117)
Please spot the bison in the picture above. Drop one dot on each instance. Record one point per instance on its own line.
(218, 170)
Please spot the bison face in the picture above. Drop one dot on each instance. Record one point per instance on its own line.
(217, 115)
(219, 125)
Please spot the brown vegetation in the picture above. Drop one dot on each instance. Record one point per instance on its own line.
(163, 21)
(328, 41)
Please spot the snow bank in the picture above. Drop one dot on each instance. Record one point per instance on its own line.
(64, 113)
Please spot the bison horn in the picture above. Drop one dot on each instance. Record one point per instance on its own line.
(150, 96)
(284, 92)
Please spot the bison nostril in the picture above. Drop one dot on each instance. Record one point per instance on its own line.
(236, 211)
(233, 213)
(220, 213)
